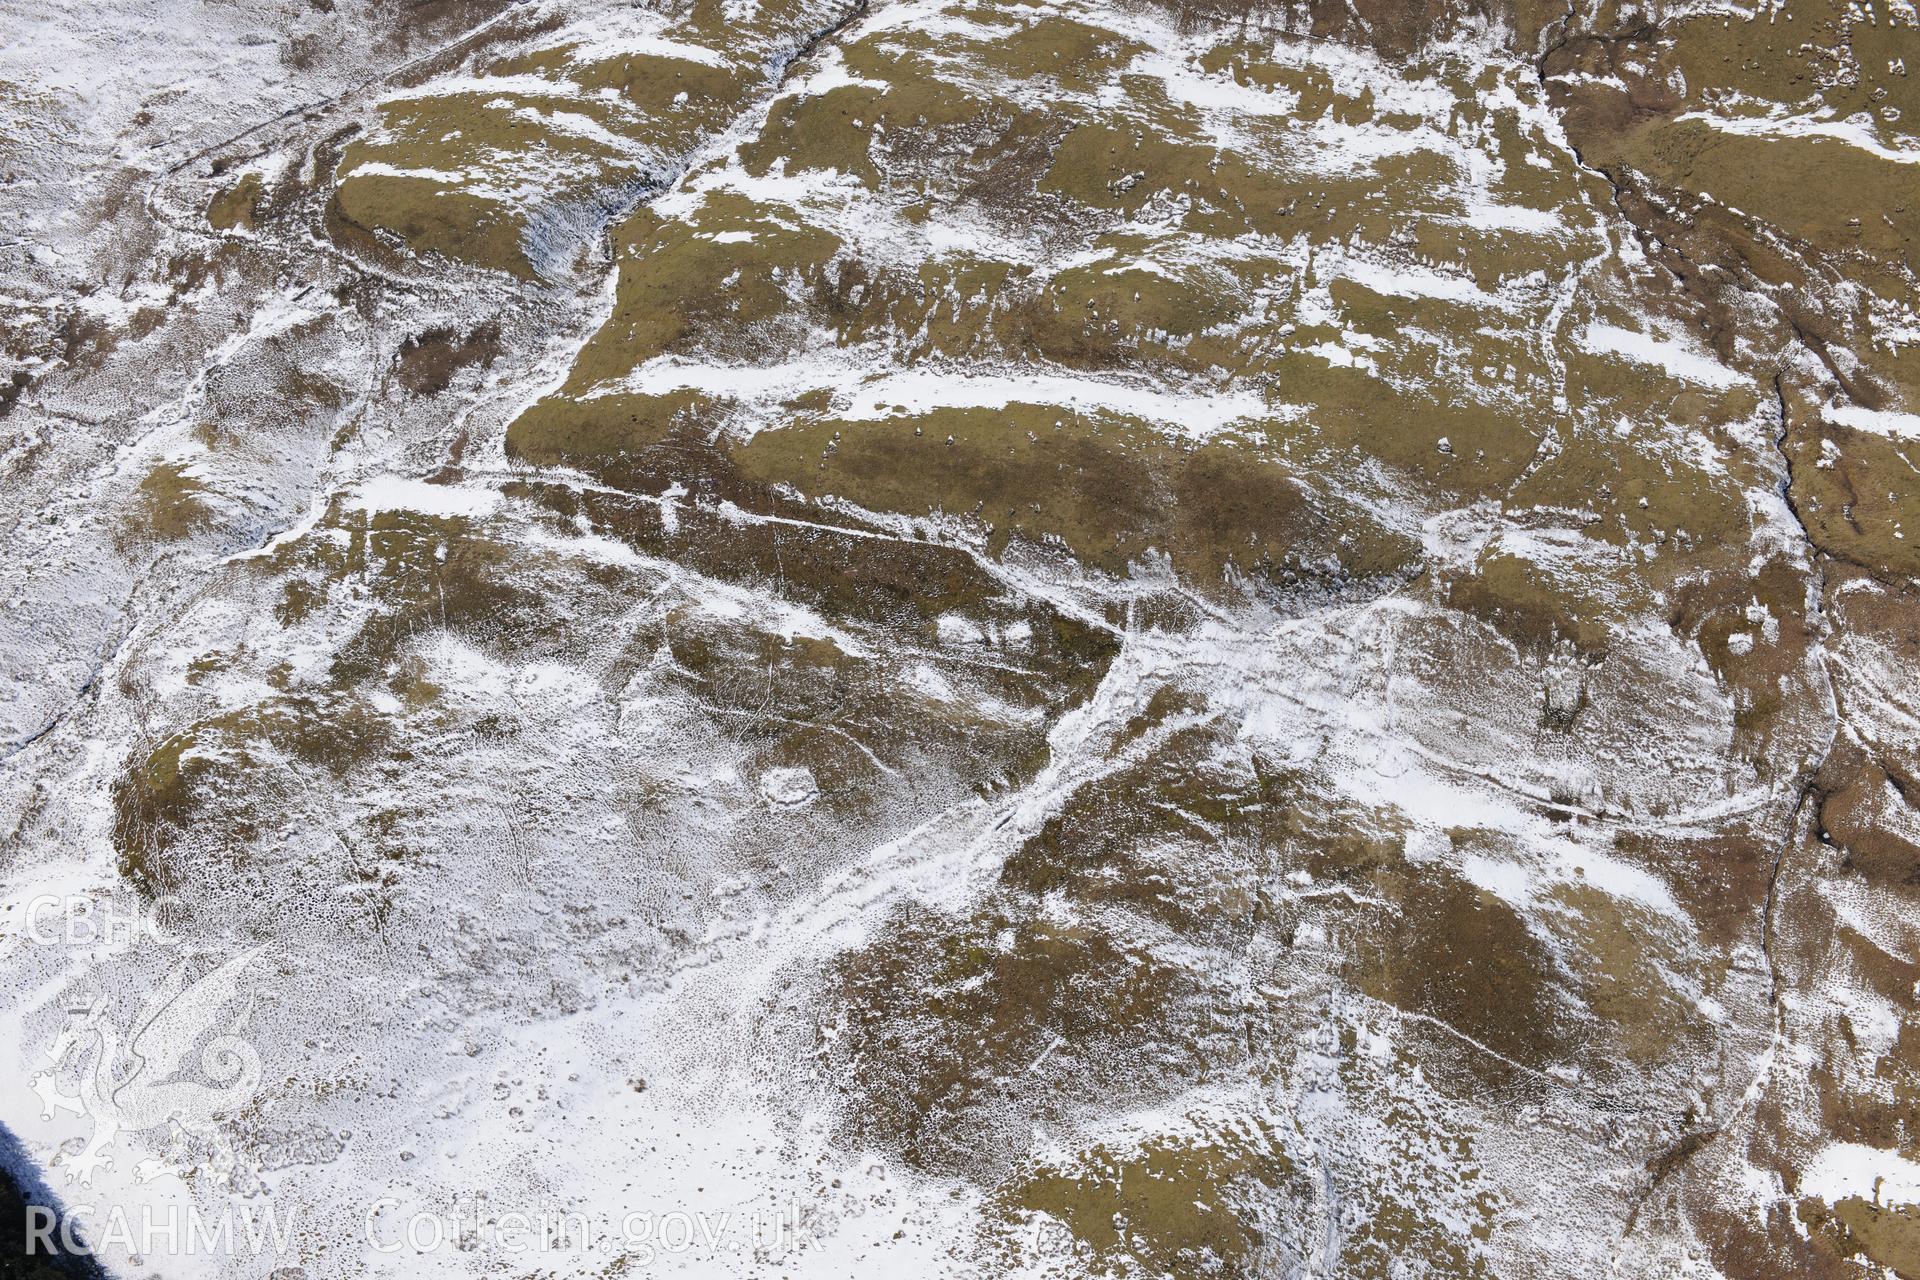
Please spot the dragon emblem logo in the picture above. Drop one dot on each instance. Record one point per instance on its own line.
(137, 1079)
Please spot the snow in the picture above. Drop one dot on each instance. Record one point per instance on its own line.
(401, 493)
(1886, 422)
(605, 870)
(1855, 131)
(861, 395)
(1681, 359)
(1853, 1170)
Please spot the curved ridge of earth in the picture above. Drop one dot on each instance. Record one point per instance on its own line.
(1192, 638)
